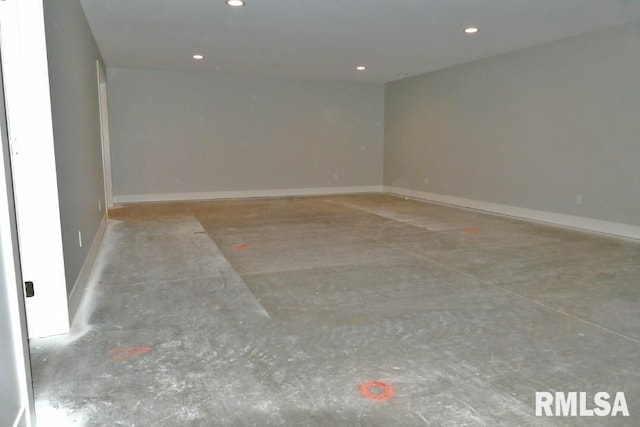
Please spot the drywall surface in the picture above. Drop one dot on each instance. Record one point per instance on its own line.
(72, 55)
(181, 132)
(553, 128)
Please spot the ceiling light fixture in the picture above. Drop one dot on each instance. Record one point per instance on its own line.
(198, 56)
(235, 3)
(471, 30)
(361, 68)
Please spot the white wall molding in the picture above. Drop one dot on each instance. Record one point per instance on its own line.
(607, 227)
(75, 297)
(27, 93)
(246, 194)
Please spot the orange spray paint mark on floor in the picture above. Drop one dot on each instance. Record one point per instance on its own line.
(241, 247)
(472, 231)
(123, 353)
(377, 390)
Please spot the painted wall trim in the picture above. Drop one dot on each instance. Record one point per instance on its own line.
(607, 227)
(246, 194)
(104, 135)
(75, 297)
(28, 101)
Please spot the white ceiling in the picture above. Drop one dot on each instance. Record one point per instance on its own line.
(328, 38)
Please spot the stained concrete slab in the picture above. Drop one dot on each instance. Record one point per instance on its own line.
(275, 313)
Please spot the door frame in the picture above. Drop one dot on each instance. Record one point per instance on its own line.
(35, 182)
(104, 133)
(11, 278)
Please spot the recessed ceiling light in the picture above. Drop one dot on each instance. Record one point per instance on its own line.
(198, 56)
(361, 68)
(235, 3)
(471, 30)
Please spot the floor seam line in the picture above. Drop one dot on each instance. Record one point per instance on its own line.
(508, 291)
(159, 282)
(523, 297)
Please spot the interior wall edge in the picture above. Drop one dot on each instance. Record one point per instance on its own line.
(583, 223)
(21, 419)
(246, 194)
(77, 292)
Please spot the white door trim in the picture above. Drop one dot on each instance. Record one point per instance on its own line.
(104, 129)
(11, 283)
(26, 75)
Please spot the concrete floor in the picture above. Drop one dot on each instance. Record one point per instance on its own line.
(277, 312)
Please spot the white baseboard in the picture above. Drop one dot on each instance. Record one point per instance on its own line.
(599, 226)
(215, 195)
(85, 272)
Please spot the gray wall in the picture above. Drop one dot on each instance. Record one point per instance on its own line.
(72, 55)
(532, 128)
(181, 132)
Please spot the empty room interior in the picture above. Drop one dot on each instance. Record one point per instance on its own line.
(335, 213)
